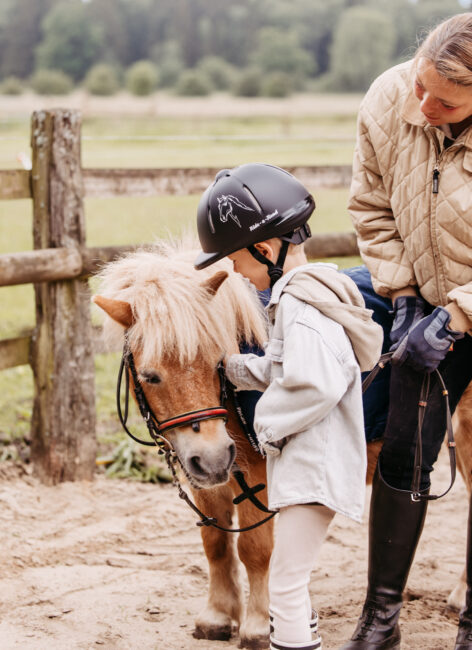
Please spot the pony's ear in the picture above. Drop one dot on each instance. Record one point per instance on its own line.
(118, 310)
(214, 283)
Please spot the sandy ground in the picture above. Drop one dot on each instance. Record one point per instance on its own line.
(119, 565)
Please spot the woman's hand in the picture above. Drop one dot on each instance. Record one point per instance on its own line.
(407, 311)
(428, 342)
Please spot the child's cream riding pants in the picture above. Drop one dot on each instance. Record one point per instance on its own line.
(300, 531)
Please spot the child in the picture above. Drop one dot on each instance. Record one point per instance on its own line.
(309, 419)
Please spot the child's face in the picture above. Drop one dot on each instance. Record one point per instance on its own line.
(244, 263)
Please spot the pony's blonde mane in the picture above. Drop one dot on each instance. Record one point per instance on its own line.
(174, 315)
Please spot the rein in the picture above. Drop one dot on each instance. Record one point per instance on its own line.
(156, 430)
(416, 493)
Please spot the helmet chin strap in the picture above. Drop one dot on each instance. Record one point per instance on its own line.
(276, 270)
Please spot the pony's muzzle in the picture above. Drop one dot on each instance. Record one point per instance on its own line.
(207, 457)
(210, 470)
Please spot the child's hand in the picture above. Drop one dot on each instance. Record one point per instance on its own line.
(272, 448)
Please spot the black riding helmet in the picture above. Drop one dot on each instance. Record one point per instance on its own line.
(247, 205)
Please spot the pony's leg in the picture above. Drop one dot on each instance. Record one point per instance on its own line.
(462, 424)
(255, 548)
(224, 602)
(373, 451)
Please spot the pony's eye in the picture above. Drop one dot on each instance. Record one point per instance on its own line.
(150, 377)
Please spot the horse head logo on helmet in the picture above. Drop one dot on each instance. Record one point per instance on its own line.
(226, 202)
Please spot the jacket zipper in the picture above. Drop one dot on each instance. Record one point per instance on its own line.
(434, 244)
(435, 190)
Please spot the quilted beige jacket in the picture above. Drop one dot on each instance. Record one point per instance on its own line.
(411, 199)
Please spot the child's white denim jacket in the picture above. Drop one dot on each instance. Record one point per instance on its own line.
(309, 419)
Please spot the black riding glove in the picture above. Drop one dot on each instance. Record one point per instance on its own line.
(407, 310)
(427, 343)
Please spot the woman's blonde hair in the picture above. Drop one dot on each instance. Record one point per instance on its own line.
(449, 48)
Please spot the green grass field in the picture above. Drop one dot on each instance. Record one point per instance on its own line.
(133, 220)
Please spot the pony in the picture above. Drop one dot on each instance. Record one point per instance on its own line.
(179, 324)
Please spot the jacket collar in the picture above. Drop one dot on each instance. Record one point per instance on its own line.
(412, 114)
(279, 286)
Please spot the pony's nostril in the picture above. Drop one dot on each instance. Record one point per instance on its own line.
(232, 454)
(196, 465)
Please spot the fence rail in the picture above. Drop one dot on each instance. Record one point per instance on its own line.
(62, 344)
(15, 184)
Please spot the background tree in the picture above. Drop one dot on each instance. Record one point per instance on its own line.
(20, 33)
(279, 51)
(72, 41)
(363, 47)
(295, 38)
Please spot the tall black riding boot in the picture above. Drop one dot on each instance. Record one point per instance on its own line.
(464, 634)
(395, 527)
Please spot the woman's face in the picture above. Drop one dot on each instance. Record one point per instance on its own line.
(441, 101)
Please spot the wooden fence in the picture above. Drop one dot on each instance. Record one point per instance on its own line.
(60, 349)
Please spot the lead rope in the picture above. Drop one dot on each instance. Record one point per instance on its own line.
(416, 493)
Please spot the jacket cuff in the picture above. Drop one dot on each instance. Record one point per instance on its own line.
(267, 446)
(238, 374)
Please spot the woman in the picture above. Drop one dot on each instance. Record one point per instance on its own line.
(411, 204)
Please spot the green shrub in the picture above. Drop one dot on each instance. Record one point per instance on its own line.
(51, 82)
(276, 84)
(11, 86)
(248, 84)
(141, 78)
(102, 79)
(193, 83)
(220, 72)
(169, 73)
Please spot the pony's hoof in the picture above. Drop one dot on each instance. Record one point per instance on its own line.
(456, 599)
(256, 643)
(216, 633)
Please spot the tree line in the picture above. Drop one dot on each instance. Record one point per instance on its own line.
(195, 46)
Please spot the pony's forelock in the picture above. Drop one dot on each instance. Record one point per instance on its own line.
(174, 315)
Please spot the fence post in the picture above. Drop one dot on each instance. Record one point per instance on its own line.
(63, 424)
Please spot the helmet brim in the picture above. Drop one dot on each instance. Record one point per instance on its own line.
(207, 259)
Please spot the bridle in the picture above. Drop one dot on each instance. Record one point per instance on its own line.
(157, 429)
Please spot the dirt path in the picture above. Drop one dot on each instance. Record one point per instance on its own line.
(119, 565)
(168, 105)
